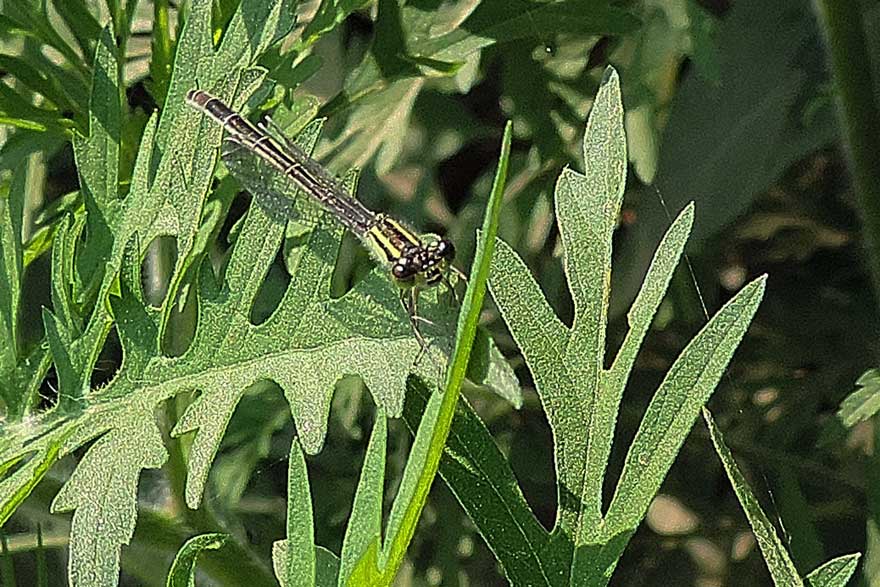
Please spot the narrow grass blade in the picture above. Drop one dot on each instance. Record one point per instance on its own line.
(434, 429)
(480, 477)
(183, 569)
(779, 562)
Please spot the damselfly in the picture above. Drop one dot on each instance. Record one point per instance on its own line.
(413, 261)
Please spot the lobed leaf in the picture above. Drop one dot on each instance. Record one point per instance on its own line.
(580, 396)
(672, 411)
(298, 566)
(864, 402)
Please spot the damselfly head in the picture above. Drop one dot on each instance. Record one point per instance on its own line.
(424, 265)
(444, 249)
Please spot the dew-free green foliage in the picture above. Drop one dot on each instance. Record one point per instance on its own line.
(385, 83)
(182, 573)
(862, 403)
(192, 346)
(568, 366)
(834, 573)
(580, 396)
(308, 343)
(357, 334)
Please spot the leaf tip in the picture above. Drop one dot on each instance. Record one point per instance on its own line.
(610, 75)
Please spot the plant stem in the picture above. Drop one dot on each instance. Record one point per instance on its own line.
(467, 329)
(859, 116)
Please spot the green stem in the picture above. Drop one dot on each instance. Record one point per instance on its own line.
(860, 119)
(426, 479)
(467, 329)
(163, 49)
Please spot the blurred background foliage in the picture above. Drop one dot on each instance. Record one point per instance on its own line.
(728, 103)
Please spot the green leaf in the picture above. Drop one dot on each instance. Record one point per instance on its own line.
(479, 475)
(380, 562)
(290, 71)
(39, 81)
(306, 345)
(672, 411)
(567, 366)
(580, 396)
(15, 488)
(276, 20)
(864, 402)
(779, 563)
(81, 22)
(298, 566)
(32, 17)
(407, 48)
(369, 336)
(360, 139)
(65, 89)
(326, 565)
(67, 234)
(364, 528)
(489, 367)
(110, 469)
(17, 112)
(11, 210)
(546, 105)
(497, 22)
(21, 369)
(365, 137)
(228, 71)
(183, 569)
(330, 15)
(74, 350)
(97, 157)
(309, 340)
(161, 200)
(19, 146)
(834, 573)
